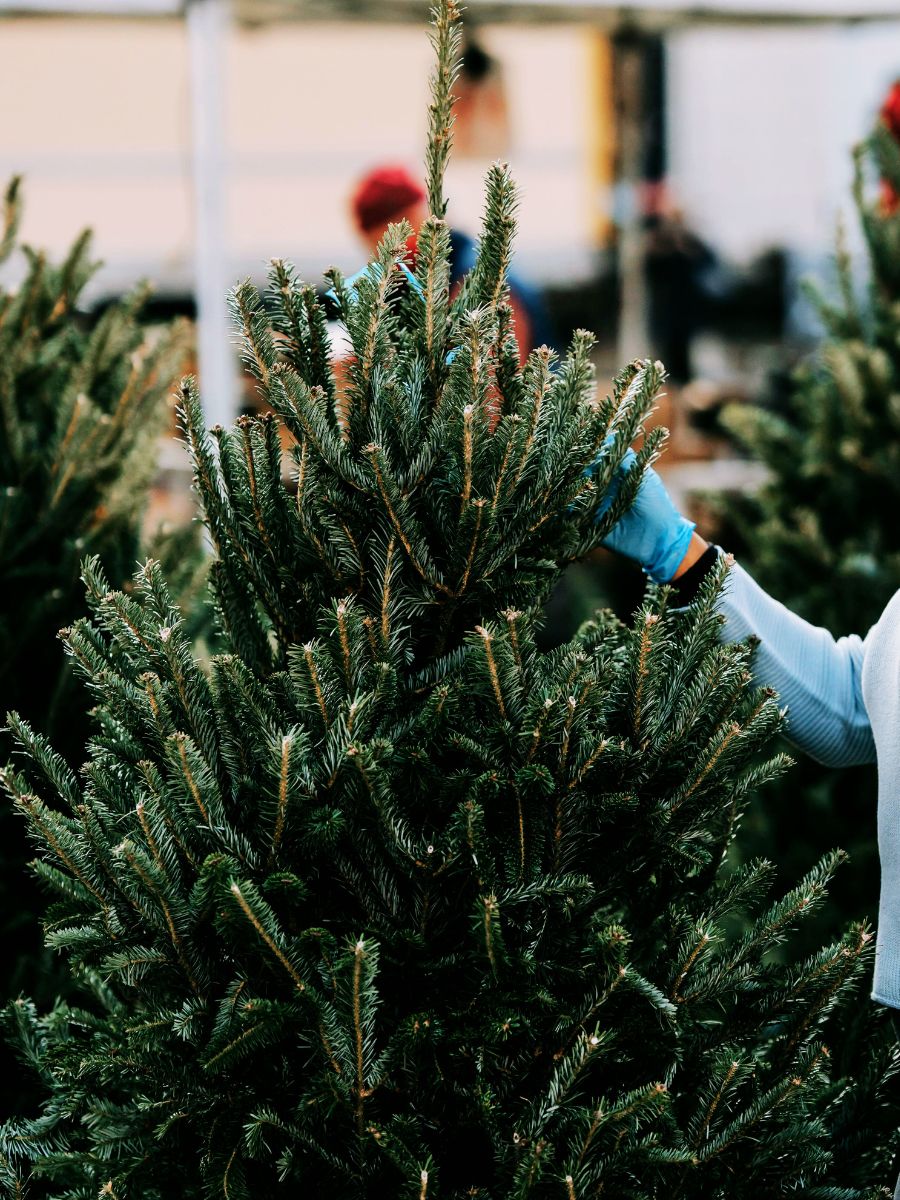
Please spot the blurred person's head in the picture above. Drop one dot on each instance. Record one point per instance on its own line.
(482, 128)
(385, 195)
(476, 64)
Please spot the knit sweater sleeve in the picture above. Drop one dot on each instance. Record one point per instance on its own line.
(818, 677)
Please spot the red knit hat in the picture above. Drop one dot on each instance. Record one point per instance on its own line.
(383, 195)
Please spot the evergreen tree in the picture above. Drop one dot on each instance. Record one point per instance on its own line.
(822, 534)
(387, 902)
(80, 408)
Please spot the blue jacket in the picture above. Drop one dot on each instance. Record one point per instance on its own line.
(463, 253)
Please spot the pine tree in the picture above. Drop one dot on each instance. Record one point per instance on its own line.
(386, 902)
(822, 534)
(80, 408)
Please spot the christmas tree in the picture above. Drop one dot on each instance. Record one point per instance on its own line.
(81, 407)
(386, 902)
(821, 532)
(821, 535)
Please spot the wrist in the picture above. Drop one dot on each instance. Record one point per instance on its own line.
(686, 588)
(697, 547)
(671, 550)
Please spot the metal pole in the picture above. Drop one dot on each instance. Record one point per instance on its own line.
(207, 22)
(633, 335)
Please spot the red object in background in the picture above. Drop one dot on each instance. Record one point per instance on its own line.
(890, 201)
(384, 195)
(890, 111)
(890, 115)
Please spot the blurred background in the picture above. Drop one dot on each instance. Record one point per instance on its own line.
(680, 170)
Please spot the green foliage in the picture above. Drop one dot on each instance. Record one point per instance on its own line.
(822, 535)
(184, 561)
(387, 902)
(80, 408)
(347, 922)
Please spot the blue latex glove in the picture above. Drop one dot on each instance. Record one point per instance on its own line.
(420, 291)
(373, 270)
(410, 279)
(653, 532)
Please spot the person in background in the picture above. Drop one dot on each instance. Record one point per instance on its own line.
(482, 127)
(679, 269)
(842, 695)
(388, 194)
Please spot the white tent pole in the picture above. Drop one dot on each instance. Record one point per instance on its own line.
(207, 22)
(94, 8)
(633, 334)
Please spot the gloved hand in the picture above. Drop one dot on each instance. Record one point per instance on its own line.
(653, 532)
(410, 279)
(373, 271)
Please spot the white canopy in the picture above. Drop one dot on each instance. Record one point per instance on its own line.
(207, 23)
(658, 14)
(603, 12)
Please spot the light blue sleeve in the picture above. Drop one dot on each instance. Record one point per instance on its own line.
(818, 678)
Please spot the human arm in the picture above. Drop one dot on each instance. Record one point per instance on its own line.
(697, 548)
(817, 677)
(652, 532)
